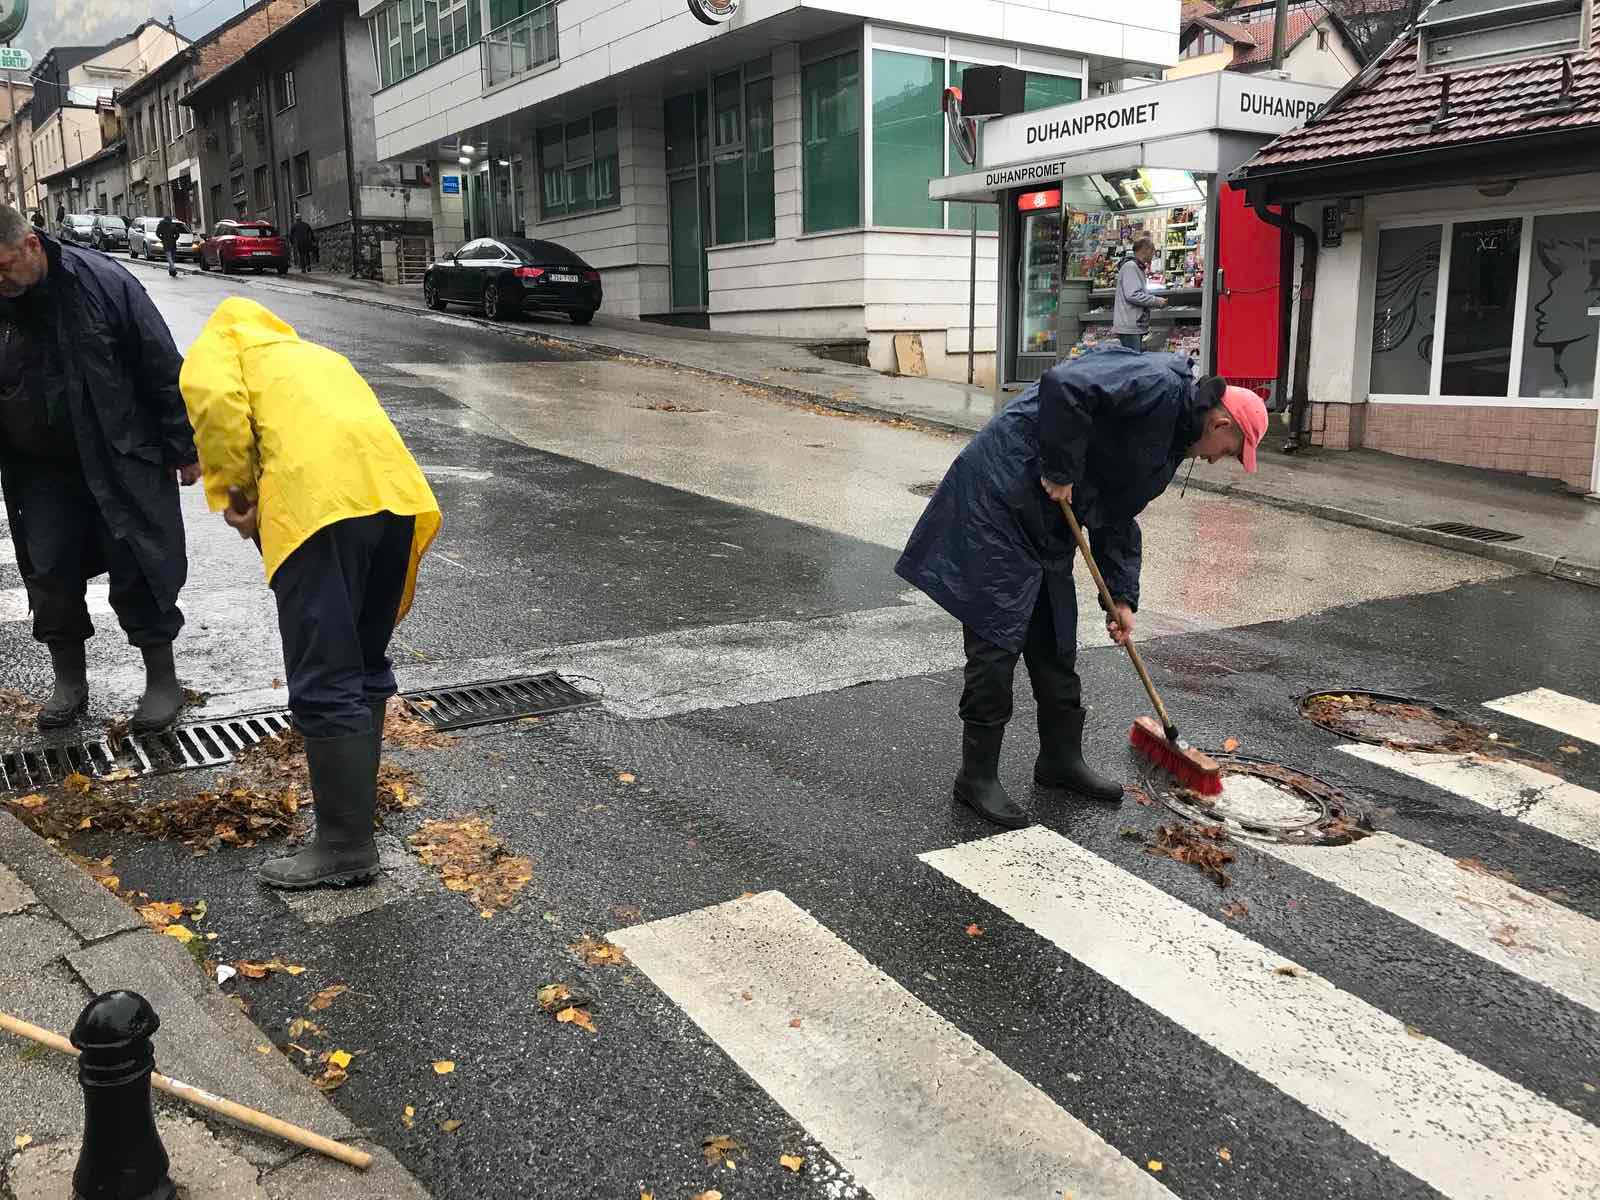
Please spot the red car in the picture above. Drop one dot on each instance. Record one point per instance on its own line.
(244, 246)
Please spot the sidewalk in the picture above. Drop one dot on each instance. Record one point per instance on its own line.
(1559, 532)
(66, 939)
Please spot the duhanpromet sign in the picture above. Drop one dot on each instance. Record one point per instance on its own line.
(1223, 100)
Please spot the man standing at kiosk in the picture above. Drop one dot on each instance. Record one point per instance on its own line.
(1130, 315)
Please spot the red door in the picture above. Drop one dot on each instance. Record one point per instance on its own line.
(1249, 251)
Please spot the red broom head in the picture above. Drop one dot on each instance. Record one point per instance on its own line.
(1190, 767)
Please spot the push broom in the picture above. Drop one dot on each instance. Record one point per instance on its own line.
(1157, 742)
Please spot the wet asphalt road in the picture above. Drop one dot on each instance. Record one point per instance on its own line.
(804, 775)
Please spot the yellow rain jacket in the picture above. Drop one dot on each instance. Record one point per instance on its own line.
(293, 426)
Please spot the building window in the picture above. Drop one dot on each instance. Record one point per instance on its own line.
(1322, 39)
(185, 111)
(133, 136)
(166, 120)
(1558, 350)
(908, 134)
(150, 113)
(1480, 307)
(215, 211)
(1405, 298)
(302, 174)
(235, 138)
(283, 90)
(578, 166)
(830, 108)
(410, 35)
(742, 155)
(263, 189)
(237, 192)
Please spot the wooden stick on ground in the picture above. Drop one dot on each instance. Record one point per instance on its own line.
(203, 1099)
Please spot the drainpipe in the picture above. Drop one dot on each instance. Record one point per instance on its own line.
(349, 150)
(1298, 400)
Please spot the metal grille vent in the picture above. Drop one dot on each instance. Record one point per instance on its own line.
(498, 700)
(207, 744)
(1476, 532)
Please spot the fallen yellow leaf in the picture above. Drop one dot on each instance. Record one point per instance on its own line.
(552, 994)
(182, 932)
(974, 930)
(263, 1049)
(443, 1067)
(341, 1059)
(327, 996)
(32, 801)
(1225, 1154)
(409, 1117)
(713, 1194)
(719, 1147)
(289, 968)
(1569, 749)
(450, 1126)
(77, 784)
(792, 1161)
(1231, 744)
(86, 823)
(598, 952)
(625, 777)
(486, 913)
(647, 1196)
(572, 1015)
(22, 1141)
(1154, 1164)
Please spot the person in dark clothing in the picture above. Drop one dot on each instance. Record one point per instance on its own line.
(61, 217)
(302, 239)
(37, 218)
(1104, 433)
(94, 441)
(167, 233)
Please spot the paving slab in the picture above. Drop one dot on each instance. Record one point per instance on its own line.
(14, 894)
(200, 1166)
(39, 1097)
(87, 908)
(307, 1176)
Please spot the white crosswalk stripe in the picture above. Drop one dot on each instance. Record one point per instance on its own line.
(1565, 714)
(1451, 1122)
(14, 602)
(1532, 796)
(906, 1102)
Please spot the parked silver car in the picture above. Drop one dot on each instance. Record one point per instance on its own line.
(143, 242)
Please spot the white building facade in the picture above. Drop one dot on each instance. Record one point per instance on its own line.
(766, 173)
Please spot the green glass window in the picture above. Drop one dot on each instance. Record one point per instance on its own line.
(1046, 91)
(607, 177)
(907, 139)
(758, 159)
(552, 173)
(578, 168)
(830, 108)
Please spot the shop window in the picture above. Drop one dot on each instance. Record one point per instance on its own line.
(1404, 303)
(1480, 308)
(830, 106)
(1558, 348)
(907, 139)
(578, 166)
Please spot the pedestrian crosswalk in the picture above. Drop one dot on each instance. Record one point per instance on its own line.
(914, 1106)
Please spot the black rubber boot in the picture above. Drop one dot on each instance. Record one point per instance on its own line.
(1061, 766)
(978, 785)
(380, 710)
(70, 696)
(162, 699)
(344, 786)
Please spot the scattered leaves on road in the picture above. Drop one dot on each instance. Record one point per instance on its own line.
(1198, 846)
(77, 784)
(408, 1116)
(1570, 749)
(1237, 910)
(443, 1067)
(300, 1026)
(598, 952)
(260, 970)
(974, 930)
(450, 1126)
(1224, 1154)
(22, 1141)
(1140, 796)
(1478, 867)
(405, 732)
(1413, 1031)
(470, 859)
(574, 1015)
(1506, 935)
(627, 777)
(264, 1048)
(327, 996)
(712, 1194)
(340, 1059)
(1230, 744)
(181, 932)
(1155, 1164)
(792, 1162)
(1291, 972)
(1131, 832)
(17, 708)
(667, 406)
(335, 1070)
(720, 1147)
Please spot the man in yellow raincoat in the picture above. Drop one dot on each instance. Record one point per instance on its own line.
(297, 453)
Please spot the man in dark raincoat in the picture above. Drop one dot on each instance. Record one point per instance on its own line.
(94, 440)
(1105, 432)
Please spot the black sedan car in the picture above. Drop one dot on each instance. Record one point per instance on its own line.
(78, 228)
(109, 233)
(510, 275)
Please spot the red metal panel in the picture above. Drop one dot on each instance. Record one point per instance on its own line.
(1249, 252)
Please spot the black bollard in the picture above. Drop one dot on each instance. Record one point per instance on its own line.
(122, 1156)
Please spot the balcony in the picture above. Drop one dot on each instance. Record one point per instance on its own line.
(522, 46)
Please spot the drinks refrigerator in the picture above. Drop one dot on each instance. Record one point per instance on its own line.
(1040, 282)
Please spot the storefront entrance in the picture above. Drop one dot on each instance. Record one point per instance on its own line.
(688, 199)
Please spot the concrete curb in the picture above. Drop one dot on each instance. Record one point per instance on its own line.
(1552, 565)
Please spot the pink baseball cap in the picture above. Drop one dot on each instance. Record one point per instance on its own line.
(1250, 415)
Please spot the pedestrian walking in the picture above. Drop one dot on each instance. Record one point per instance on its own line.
(1105, 433)
(167, 234)
(299, 455)
(94, 441)
(301, 238)
(37, 218)
(1130, 313)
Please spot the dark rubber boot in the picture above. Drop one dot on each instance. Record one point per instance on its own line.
(380, 710)
(1061, 766)
(343, 785)
(978, 785)
(162, 699)
(71, 693)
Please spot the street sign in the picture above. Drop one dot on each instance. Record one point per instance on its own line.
(450, 185)
(14, 58)
(13, 16)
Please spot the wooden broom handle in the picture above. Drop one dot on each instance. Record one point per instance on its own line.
(1110, 604)
(204, 1099)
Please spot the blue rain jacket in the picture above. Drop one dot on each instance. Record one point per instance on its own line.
(1115, 424)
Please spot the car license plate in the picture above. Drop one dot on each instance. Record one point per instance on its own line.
(564, 279)
(261, 253)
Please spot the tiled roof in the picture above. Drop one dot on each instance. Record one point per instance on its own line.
(1237, 32)
(1390, 110)
(1193, 9)
(1301, 22)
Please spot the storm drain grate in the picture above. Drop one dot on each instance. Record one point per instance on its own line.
(498, 700)
(1476, 532)
(182, 748)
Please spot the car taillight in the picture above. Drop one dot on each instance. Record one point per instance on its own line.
(528, 272)
(591, 276)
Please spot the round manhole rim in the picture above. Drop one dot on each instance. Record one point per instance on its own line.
(1433, 706)
(1340, 821)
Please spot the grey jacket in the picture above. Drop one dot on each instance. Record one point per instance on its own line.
(1131, 313)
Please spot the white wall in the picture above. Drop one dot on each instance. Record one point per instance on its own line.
(1334, 66)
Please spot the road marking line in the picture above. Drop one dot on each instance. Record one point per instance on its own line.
(905, 1101)
(1565, 714)
(1499, 921)
(1533, 797)
(1449, 1121)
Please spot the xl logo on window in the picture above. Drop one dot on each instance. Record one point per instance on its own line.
(713, 12)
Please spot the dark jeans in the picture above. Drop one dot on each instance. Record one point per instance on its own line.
(303, 257)
(172, 258)
(338, 598)
(1133, 341)
(66, 538)
(986, 698)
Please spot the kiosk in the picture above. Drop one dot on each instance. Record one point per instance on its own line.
(1078, 184)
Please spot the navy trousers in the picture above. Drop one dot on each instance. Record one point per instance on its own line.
(338, 599)
(986, 696)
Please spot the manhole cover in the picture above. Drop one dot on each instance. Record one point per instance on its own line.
(1400, 722)
(924, 489)
(1268, 801)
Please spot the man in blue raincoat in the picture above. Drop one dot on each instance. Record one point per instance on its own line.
(1106, 433)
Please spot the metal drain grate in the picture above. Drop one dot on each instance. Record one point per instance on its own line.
(1476, 532)
(498, 700)
(182, 748)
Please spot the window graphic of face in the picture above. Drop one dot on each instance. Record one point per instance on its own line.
(1561, 320)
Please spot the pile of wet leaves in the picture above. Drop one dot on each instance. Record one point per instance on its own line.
(17, 709)
(1397, 724)
(471, 859)
(1200, 846)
